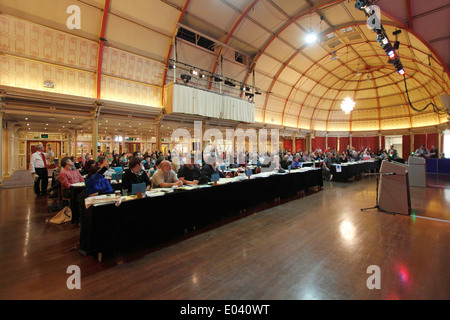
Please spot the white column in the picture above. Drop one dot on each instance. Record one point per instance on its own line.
(1, 147)
(94, 139)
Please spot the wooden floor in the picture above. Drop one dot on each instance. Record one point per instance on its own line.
(315, 247)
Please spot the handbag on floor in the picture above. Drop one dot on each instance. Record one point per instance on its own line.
(63, 216)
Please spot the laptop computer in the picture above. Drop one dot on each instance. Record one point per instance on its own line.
(138, 187)
(116, 176)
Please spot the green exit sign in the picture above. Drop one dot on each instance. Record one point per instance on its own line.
(44, 136)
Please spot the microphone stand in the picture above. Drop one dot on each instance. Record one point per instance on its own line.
(377, 206)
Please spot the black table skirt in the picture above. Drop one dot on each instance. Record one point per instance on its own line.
(76, 199)
(350, 171)
(144, 222)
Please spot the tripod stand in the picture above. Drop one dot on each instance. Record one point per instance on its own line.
(377, 206)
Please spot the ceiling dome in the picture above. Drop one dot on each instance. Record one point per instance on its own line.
(256, 42)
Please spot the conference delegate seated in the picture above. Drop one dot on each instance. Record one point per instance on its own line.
(87, 167)
(285, 162)
(68, 176)
(343, 158)
(209, 168)
(295, 163)
(96, 183)
(165, 177)
(134, 174)
(189, 173)
(307, 157)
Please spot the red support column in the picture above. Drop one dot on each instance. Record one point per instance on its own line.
(100, 48)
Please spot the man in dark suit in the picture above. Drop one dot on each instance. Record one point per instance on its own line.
(209, 168)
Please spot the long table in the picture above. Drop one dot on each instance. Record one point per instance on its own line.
(353, 169)
(107, 228)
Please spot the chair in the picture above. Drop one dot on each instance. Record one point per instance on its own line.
(62, 198)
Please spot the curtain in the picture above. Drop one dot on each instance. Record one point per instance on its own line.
(299, 144)
(343, 143)
(432, 139)
(188, 100)
(287, 145)
(419, 139)
(318, 143)
(332, 143)
(406, 141)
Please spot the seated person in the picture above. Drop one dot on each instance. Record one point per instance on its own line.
(189, 173)
(77, 164)
(147, 163)
(96, 183)
(68, 175)
(285, 162)
(165, 177)
(134, 174)
(343, 158)
(115, 162)
(87, 167)
(335, 158)
(209, 168)
(366, 156)
(307, 157)
(295, 163)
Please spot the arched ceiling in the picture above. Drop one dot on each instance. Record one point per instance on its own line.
(302, 86)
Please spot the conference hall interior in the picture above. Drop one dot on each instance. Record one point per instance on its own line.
(246, 150)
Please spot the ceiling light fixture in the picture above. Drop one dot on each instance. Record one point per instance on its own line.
(347, 105)
(334, 56)
(311, 37)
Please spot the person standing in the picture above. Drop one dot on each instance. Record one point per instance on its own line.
(434, 152)
(38, 164)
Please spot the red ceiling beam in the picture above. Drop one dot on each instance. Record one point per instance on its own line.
(230, 33)
(410, 16)
(100, 49)
(183, 12)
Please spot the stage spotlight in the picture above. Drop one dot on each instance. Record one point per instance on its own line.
(229, 83)
(258, 93)
(401, 71)
(186, 78)
(397, 45)
(194, 72)
(202, 75)
(391, 54)
(362, 4)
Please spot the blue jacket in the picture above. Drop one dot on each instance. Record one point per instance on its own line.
(98, 183)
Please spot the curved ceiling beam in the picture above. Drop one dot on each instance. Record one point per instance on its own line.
(293, 19)
(284, 27)
(318, 61)
(295, 88)
(183, 12)
(230, 33)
